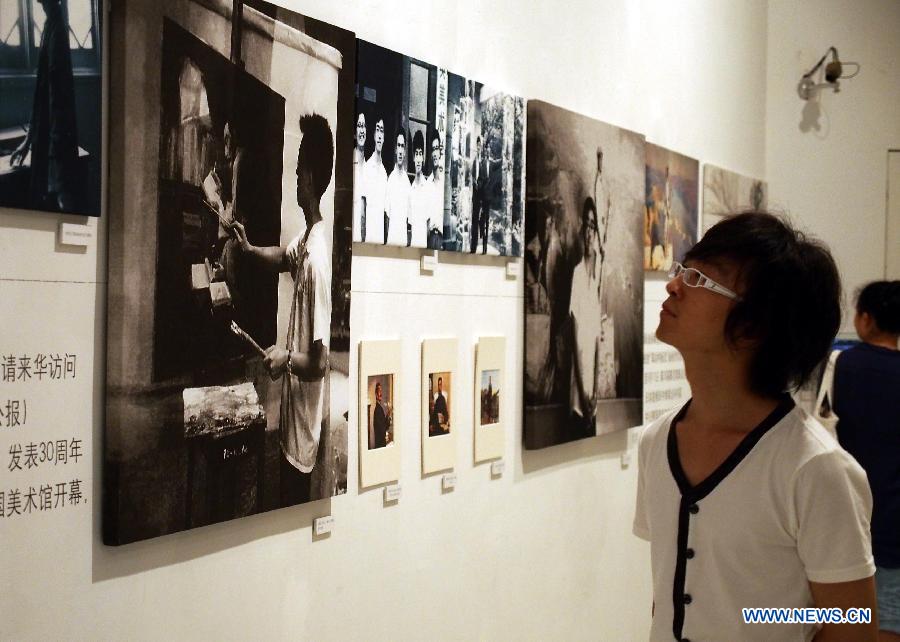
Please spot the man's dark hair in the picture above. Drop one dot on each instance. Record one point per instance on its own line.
(790, 307)
(418, 141)
(440, 380)
(881, 300)
(588, 213)
(317, 151)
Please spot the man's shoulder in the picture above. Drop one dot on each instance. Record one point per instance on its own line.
(802, 443)
(658, 429)
(317, 248)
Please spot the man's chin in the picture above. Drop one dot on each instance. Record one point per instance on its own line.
(664, 336)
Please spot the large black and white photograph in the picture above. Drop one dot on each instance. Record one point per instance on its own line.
(50, 105)
(485, 193)
(229, 267)
(398, 158)
(583, 277)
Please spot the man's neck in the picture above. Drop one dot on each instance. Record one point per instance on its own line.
(722, 399)
(883, 340)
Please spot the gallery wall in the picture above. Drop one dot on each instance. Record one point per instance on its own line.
(827, 160)
(545, 550)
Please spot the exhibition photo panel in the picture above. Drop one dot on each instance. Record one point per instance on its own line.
(229, 265)
(584, 281)
(438, 379)
(399, 164)
(490, 416)
(380, 410)
(670, 207)
(726, 193)
(485, 187)
(51, 154)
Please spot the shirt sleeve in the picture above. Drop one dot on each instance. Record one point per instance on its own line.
(833, 507)
(321, 308)
(641, 527)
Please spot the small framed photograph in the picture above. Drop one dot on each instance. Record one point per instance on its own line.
(439, 419)
(490, 415)
(380, 411)
(380, 435)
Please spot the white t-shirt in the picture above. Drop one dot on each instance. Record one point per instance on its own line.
(584, 305)
(359, 164)
(397, 207)
(302, 402)
(421, 204)
(788, 507)
(375, 193)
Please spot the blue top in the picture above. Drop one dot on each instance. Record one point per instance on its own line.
(867, 402)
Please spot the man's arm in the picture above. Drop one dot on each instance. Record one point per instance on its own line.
(845, 595)
(576, 363)
(236, 186)
(362, 218)
(308, 366)
(273, 258)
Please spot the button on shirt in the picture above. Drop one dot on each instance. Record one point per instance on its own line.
(789, 506)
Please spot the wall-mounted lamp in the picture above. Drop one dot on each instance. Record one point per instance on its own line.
(828, 78)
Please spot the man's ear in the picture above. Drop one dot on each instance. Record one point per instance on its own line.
(867, 323)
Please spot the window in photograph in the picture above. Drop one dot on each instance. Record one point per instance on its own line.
(22, 25)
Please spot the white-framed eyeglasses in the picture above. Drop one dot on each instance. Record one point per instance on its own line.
(694, 278)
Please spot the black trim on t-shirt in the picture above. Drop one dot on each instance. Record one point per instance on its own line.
(691, 495)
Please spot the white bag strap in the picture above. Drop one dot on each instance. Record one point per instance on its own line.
(827, 387)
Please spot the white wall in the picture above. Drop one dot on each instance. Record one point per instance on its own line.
(545, 552)
(833, 180)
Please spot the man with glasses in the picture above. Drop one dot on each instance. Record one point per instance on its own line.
(746, 500)
(374, 191)
(585, 322)
(359, 164)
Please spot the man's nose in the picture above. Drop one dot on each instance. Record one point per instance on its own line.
(674, 286)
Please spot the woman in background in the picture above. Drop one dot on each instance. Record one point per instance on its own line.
(867, 401)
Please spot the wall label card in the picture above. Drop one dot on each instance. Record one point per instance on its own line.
(76, 234)
(448, 481)
(323, 525)
(392, 493)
